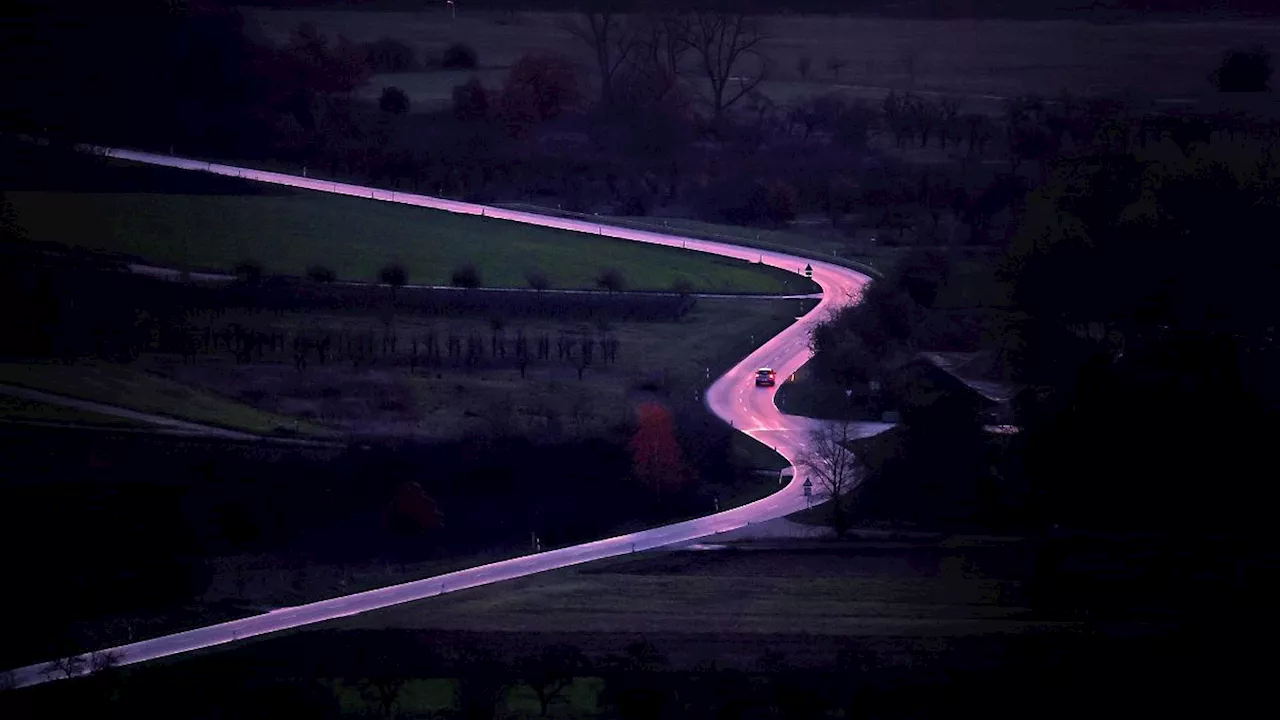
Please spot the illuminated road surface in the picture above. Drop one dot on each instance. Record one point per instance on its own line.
(733, 398)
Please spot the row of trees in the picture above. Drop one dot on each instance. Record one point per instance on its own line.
(306, 512)
(81, 305)
(393, 275)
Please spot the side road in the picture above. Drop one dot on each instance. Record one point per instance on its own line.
(175, 275)
(160, 421)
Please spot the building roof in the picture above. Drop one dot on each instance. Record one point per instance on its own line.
(970, 368)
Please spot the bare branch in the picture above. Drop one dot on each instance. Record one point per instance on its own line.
(722, 41)
(103, 661)
(833, 467)
(661, 43)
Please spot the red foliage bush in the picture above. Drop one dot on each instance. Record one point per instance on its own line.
(657, 461)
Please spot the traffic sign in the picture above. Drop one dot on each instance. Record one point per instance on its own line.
(808, 270)
(808, 487)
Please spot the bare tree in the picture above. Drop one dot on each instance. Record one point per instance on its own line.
(662, 42)
(803, 65)
(833, 468)
(723, 42)
(537, 279)
(394, 276)
(68, 667)
(101, 662)
(612, 280)
(612, 38)
(551, 673)
(383, 690)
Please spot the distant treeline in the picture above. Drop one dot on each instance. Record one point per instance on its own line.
(81, 305)
(131, 523)
(1012, 9)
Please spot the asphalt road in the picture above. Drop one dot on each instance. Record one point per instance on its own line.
(733, 397)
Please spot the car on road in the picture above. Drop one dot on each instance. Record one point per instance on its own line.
(766, 377)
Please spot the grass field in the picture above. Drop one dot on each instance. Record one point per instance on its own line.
(862, 588)
(950, 603)
(820, 240)
(288, 232)
(982, 60)
(138, 390)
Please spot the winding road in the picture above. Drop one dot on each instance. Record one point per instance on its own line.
(733, 397)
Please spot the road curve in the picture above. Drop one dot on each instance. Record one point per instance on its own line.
(733, 397)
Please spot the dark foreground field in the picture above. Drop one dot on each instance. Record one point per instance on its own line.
(158, 534)
(872, 628)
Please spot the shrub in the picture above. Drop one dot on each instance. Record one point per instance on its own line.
(470, 101)
(388, 55)
(540, 87)
(459, 56)
(394, 101)
(394, 275)
(467, 276)
(321, 274)
(841, 196)
(779, 201)
(745, 202)
(611, 279)
(249, 272)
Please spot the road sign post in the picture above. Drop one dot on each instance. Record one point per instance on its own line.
(808, 492)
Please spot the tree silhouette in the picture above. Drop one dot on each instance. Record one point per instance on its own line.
(538, 280)
(682, 286)
(395, 276)
(411, 510)
(467, 276)
(539, 87)
(1172, 331)
(388, 55)
(470, 101)
(551, 673)
(393, 101)
(834, 469)
(1243, 71)
(248, 272)
(611, 279)
(612, 37)
(657, 460)
(321, 273)
(459, 56)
